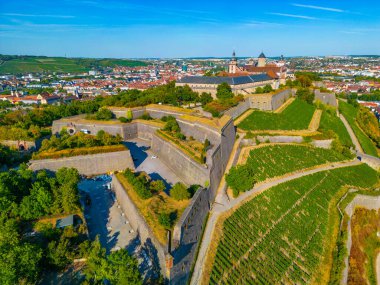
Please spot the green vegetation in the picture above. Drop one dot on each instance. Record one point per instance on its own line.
(31, 64)
(10, 157)
(286, 234)
(296, 116)
(26, 196)
(350, 112)
(15, 133)
(365, 246)
(103, 114)
(276, 160)
(331, 124)
(66, 145)
(159, 210)
(306, 95)
(180, 192)
(266, 89)
(116, 268)
(224, 91)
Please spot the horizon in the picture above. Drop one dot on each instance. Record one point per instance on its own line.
(116, 29)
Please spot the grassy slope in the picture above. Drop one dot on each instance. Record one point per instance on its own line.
(332, 122)
(150, 208)
(60, 64)
(292, 243)
(349, 112)
(296, 116)
(277, 160)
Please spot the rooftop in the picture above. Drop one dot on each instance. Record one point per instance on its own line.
(231, 80)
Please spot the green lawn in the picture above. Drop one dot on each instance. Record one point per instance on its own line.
(350, 113)
(296, 116)
(332, 122)
(276, 160)
(285, 234)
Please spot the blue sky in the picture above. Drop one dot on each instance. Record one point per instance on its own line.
(145, 28)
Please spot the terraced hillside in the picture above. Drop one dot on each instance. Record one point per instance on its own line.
(296, 116)
(276, 160)
(286, 234)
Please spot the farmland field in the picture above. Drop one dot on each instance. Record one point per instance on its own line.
(332, 122)
(24, 64)
(276, 160)
(296, 116)
(350, 113)
(285, 235)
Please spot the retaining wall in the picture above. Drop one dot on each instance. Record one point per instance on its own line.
(280, 98)
(138, 223)
(26, 145)
(236, 111)
(92, 164)
(187, 233)
(326, 98)
(372, 161)
(190, 171)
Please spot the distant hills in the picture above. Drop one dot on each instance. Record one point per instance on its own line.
(14, 64)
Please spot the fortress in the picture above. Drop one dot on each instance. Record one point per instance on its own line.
(186, 234)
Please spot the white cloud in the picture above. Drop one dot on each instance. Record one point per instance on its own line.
(319, 8)
(38, 15)
(294, 16)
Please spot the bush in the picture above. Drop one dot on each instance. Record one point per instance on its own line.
(138, 185)
(103, 114)
(171, 125)
(157, 186)
(124, 120)
(179, 192)
(224, 91)
(146, 116)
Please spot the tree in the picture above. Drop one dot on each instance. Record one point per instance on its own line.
(205, 98)
(259, 90)
(224, 91)
(179, 192)
(164, 220)
(157, 186)
(305, 94)
(267, 88)
(122, 269)
(95, 262)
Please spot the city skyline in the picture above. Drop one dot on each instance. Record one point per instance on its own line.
(169, 30)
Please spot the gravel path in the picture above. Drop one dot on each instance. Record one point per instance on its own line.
(218, 209)
(355, 141)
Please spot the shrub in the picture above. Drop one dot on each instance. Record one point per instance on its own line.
(102, 114)
(138, 185)
(179, 192)
(157, 186)
(124, 120)
(224, 91)
(146, 116)
(306, 95)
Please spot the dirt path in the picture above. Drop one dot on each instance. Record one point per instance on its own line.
(242, 117)
(353, 137)
(219, 209)
(315, 120)
(285, 105)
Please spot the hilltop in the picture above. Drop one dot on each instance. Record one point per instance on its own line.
(16, 64)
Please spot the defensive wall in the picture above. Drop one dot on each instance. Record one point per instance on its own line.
(372, 161)
(21, 144)
(139, 224)
(221, 134)
(326, 98)
(89, 165)
(265, 102)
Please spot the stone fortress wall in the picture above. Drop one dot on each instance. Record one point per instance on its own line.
(326, 98)
(220, 133)
(265, 102)
(88, 165)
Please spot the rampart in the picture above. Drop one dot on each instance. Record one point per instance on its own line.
(88, 164)
(139, 224)
(20, 144)
(326, 98)
(372, 161)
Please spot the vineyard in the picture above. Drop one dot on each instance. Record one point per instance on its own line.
(276, 160)
(283, 235)
(296, 116)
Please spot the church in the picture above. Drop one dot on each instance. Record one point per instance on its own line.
(242, 79)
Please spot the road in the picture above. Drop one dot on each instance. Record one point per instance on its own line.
(218, 209)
